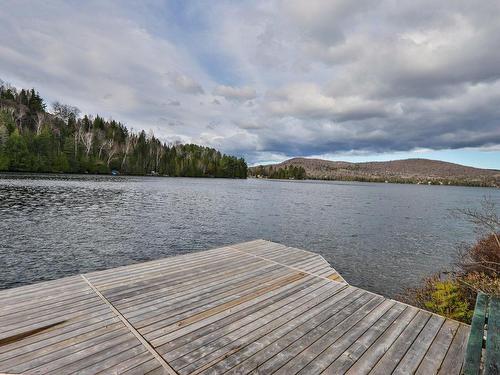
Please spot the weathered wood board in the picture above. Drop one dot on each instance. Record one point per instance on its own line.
(257, 307)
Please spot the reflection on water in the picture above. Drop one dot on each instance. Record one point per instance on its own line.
(379, 236)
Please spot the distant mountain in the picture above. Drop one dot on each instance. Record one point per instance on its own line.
(422, 171)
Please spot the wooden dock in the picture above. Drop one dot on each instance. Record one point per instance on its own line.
(257, 307)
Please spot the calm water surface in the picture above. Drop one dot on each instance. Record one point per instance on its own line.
(381, 237)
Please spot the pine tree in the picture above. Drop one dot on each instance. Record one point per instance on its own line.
(33, 140)
(17, 151)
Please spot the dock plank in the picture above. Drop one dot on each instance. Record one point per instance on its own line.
(294, 342)
(335, 346)
(399, 347)
(282, 347)
(343, 362)
(411, 360)
(240, 317)
(273, 319)
(453, 361)
(435, 356)
(289, 316)
(256, 307)
(306, 357)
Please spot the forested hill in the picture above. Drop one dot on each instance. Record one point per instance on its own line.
(32, 139)
(416, 171)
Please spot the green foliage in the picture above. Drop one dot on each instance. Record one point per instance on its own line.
(4, 162)
(61, 163)
(447, 296)
(35, 102)
(4, 136)
(289, 172)
(7, 122)
(36, 141)
(16, 150)
(447, 300)
(454, 296)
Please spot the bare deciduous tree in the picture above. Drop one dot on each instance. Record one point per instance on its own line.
(102, 147)
(112, 150)
(484, 256)
(129, 144)
(19, 115)
(486, 219)
(64, 111)
(87, 139)
(40, 118)
(160, 151)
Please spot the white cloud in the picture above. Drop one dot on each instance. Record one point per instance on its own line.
(248, 125)
(299, 77)
(306, 100)
(235, 93)
(300, 100)
(185, 84)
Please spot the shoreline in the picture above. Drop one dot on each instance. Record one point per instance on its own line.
(5, 173)
(382, 181)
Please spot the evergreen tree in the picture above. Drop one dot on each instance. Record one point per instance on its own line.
(17, 152)
(32, 139)
(36, 103)
(4, 136)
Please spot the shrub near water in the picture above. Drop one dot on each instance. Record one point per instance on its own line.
(442, 295)
(483, 257)
(453, 294)
(446, 299)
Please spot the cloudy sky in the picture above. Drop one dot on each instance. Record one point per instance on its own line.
(350, 80)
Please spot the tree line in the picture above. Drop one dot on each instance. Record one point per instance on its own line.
(32, 139)
(288, 172)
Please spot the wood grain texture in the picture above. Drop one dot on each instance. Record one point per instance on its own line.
(472, 360)
(258, 307)
(492, 356)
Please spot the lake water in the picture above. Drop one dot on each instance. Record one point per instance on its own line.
(381, 237)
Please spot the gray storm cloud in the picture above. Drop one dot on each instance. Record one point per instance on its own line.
(277, 77)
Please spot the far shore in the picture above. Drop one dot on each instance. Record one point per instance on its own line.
(382, 181)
